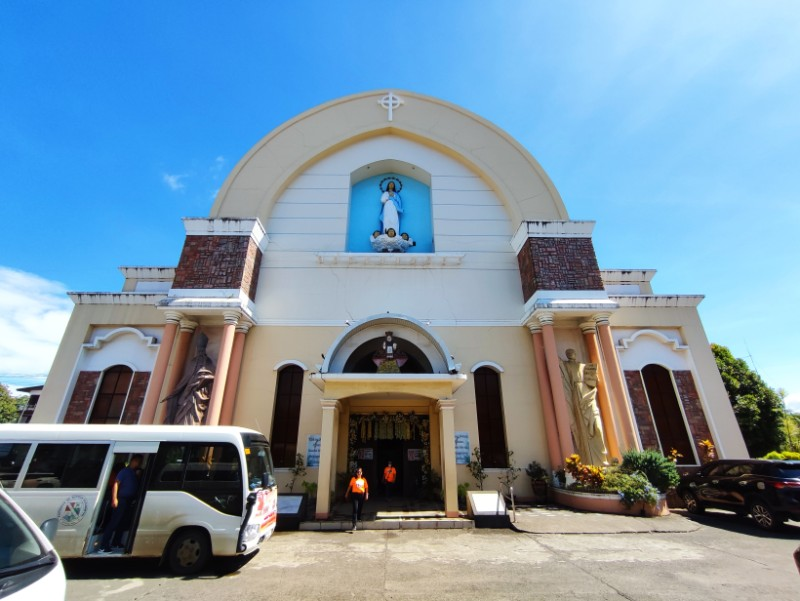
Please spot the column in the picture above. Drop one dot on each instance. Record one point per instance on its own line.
(234, 371)
(560, 403)
(223, 364)
(603, 401)
(551, 426)
(160, 368)
(178, 364)
(628, 438)
(327, 468)
(447, 435)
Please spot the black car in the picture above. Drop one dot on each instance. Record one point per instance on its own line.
(768, 490)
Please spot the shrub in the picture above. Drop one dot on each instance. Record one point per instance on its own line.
(785, 455)
(631, 487)
(535, 471)
(587, 476)
(660, 471)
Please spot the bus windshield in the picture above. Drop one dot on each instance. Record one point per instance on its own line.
(259, 463)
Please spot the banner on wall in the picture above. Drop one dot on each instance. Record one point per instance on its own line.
(312, 450)
(462, 448)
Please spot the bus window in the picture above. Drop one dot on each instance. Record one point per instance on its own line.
(12, 456)
(213, 475)
(65, 466)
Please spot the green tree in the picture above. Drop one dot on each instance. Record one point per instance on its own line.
(9, 406)
(758, 408)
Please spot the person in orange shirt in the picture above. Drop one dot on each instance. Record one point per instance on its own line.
(358, 492)
(389, 478)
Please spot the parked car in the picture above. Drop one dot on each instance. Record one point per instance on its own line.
(768, 490)
(30, 569)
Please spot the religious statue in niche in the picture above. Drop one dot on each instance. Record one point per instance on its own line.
(389, 238)
(187, 404)
(388, 359)
(580, 388)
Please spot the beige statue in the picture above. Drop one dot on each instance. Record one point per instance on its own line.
(580, 387)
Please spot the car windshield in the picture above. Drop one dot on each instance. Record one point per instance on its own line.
(18, 544)
(259, 463)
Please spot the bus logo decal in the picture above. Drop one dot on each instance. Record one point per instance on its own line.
(72, 511)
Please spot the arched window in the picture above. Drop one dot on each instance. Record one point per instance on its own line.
(491, 426)
(666, 411)
(111, 395)
(286, 420)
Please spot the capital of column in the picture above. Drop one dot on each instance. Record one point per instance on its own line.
(588, 327)
(546, 318)
(231, 317)
(602, 319)
(173, 317)
(187, 325)
(330, 404)
(535, 328)
(243, 327)
(445, 405)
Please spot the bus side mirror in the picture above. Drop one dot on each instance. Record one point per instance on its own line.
(49, 528)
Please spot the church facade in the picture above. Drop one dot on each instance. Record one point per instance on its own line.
(389, 277)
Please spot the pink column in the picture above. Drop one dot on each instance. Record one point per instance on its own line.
(160, 368)
(627, 430)
(178, 364)
(223, 364)
(603, 401)
(556, 387)
(234, 371)
(551, 426)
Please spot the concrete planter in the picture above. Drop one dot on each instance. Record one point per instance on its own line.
(607, 503)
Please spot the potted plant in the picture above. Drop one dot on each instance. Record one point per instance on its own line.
(462, 495)
(476, 468)
(510, 474)
(538, 476)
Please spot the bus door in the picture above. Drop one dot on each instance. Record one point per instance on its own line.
(121, 529)
(62, 480)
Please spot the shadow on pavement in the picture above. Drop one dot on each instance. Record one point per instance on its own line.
(731, 522)
(113, 568)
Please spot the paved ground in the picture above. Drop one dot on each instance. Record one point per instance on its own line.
(551, 553)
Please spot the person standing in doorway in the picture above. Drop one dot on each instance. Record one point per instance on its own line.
(123, 494)
(357, 492)
(389, 478)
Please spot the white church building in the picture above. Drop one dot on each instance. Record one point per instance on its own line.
(355, 326)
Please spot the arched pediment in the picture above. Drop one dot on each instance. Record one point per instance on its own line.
(376, 326)
(257, 181)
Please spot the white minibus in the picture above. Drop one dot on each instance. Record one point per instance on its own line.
(199, 491)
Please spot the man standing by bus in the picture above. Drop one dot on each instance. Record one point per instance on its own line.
(123, 494)
(389, 478)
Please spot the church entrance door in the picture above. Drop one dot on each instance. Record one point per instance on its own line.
(403, 439)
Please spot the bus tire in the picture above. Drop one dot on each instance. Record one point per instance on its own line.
(188, 551)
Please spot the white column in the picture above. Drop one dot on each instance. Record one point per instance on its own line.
(447, 442)
(327, 464)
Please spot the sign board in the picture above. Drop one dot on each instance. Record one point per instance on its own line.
(312, 450)
(462, 448)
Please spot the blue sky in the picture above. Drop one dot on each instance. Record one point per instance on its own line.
(674, 125)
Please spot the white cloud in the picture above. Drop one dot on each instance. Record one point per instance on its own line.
(792, 402)
(174, 181)
(33, 316)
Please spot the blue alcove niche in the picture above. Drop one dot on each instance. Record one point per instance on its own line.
(365, 205)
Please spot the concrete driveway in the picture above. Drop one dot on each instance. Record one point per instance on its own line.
(550, 554)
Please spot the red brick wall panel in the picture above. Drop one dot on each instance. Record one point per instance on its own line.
(641, 410)
(219, 262)
(558, 264)
(692, 408)
(135, 397)
(82, 397)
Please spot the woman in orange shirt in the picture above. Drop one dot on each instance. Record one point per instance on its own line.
(358, 492)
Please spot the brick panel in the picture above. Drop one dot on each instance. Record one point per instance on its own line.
(641, 410)
(558, 264)
(82, 396)
(693, 409)
(135, 397)
(219, 262)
